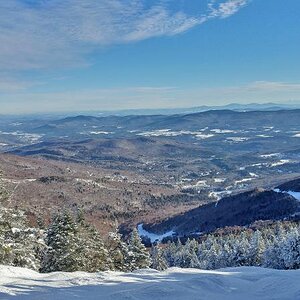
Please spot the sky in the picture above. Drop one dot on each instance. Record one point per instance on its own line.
(82, 55)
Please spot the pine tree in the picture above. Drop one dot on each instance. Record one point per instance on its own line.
(92, 254)
(118, 252)
(209, 253)
(74, 246)
(170, 253)
(138, 256)
(290, 250)
(20, 245)
(256, 249)
(240, 250)
(158, 261)
(62, 243)
(272, 257)
(186, 255)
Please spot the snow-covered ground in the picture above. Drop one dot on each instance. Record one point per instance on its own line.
(153, 236)
(169, 133)
(247, 283)
(296, 195)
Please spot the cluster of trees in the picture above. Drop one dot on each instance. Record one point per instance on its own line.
(275, 247)
(71, 244)
(19, 244)
(68, 244)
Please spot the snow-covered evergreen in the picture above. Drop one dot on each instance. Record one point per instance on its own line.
(277, 248)
(74, 246)
(284, 253)
(138, 255)
(62, 245)
(158, 261)
(20, 245)
(118, 252)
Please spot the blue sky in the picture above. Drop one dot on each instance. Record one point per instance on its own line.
(64, 55)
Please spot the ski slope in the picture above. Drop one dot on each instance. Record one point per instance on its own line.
(247, 283)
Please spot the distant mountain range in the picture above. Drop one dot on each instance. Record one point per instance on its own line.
(160, 111)
(186, 110)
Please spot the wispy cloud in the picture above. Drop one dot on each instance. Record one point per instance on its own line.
(11, 84)
(59, 33)
(273, 86)
(225, 9)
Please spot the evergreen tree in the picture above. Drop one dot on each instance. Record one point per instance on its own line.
(20, 245)
(169, 253)
(92, 255)
(138, 256)
(158, 261)
(256, 249)
(186, 256)
(118, 252)
(210, 254)
(272, 257)
(290, 250)
(62, 243)
(74, 246)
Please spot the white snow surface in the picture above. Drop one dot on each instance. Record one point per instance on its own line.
(247, 283)
(168, 132)
(153, 236)
(296, 195)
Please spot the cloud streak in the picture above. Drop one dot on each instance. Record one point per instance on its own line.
(44, 34)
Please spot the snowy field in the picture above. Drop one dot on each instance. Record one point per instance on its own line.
(247, 283)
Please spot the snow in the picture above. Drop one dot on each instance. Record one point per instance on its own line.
(243, 180)
(100, 132)
(153, 236)
(169, 133)
(253, 174)
(237, 139)
(29, 137)
(15, 230)
(247, 283)
(220, 131)
(280, 162)
(264, 136)
(296, 195)
(219, 180)
(268, 128)
(204, 136)
(195, 185)
(219, 194)
(270, 155)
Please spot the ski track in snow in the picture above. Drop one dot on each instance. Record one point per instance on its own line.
(247, 283)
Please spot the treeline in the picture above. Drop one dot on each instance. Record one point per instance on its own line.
(275, 247)
(69, 244)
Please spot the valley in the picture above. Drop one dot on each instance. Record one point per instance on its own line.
(127, 170)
